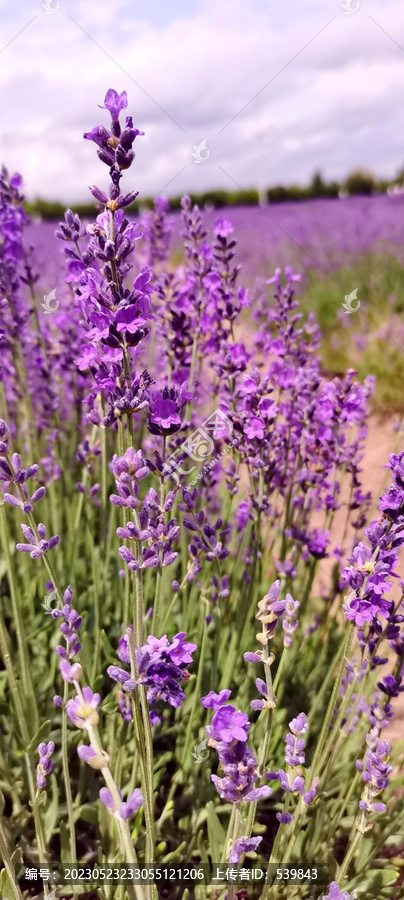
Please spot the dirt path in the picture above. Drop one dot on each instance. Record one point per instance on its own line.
(380, 443)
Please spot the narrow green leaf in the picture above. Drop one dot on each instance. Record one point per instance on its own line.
(175, 853)
(6, 889)
(65, 852)
(88, 812)
(333, 866)
(51, 813)
(41, 734)
(216, 832)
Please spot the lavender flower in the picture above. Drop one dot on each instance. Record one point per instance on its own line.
(160, 666)
(215, 701)
(70, 672)
(289, 622)
(153, 531)
(391, 686)
(373, 567)
(284, 818)
(228, 734)
(83, 710)
(243, 845)
(69, 628)
(128, 470)
(115, 319)
(375, 775)
(125, 706)
(13, 473)
(157, 227)
(267, 702)
(270, 610)
(127, 808)
(93, 759)
(115, 147)
(37, 546)
(334, 893)
(45, 764)
(294, 751)
(292, 780)
(4, 436)
(164, 410)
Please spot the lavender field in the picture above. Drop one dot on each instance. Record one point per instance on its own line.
(335, 246)
(319, 234)
(201, 599)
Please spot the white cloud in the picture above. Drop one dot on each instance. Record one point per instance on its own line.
(336, 105)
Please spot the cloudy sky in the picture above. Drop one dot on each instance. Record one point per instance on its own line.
(276, 88)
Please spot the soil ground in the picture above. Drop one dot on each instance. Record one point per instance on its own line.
(381, 441)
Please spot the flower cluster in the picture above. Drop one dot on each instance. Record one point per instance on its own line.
(128, 470)
(292, 779)
(13, 309)
(228, 734)
(289, 623)
(156, 226)
(373, 568)
(69, 671)
(375, 774)
(153, 532)
(45, 764)
(38, 545)
(11, 472)
(115, 319)
(114, 146)
(24, 370)
(208, 538)
(160, 667)
(270, 610)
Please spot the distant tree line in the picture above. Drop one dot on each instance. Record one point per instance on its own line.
(358, 182)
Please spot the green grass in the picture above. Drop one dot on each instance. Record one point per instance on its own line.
(379, 322)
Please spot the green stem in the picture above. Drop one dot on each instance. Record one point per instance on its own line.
(195, 700)
(159, 575)
(149, 766)
(338, 719)
(12, 680)
(139, 608)
(66, 776)
(326, 723)
(144, 744)
(4, 854)
(352, 849)
(65, 757)
(268, 733)
(127, 848)
(280, 669)
(27, 682)
(236, 833)
(104, 473)
(40, 837)
(273, 858)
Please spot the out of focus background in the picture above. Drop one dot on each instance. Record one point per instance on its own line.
(286, 117)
